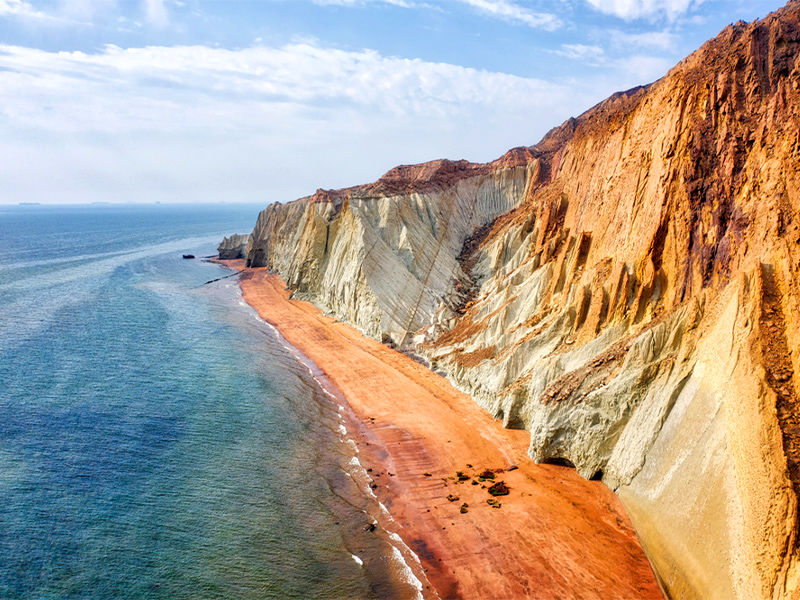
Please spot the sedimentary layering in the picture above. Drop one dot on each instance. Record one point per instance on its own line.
(233, 247)
(385, 256)
(626, 290)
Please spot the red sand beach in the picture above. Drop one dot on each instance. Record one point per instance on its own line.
(555, 535)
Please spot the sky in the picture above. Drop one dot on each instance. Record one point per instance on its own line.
(269, 100)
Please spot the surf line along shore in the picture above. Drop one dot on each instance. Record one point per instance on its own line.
(554, 535)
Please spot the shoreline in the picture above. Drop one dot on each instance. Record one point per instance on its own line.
(412, 577)
(555, 534)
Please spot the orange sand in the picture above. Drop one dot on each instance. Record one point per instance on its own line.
(556, 534)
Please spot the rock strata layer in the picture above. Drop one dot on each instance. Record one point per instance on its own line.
(233, 247)
(626, 290)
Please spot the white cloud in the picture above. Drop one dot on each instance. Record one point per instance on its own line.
(506, 10)
(156, 12)
(636, 9)
(261, 123)
(643, 68)
(660, 40)
(401, 3)
(86, 10)
(19, 8)
(511, 11)
(638, 68)
(82, 12)
(299, 74)
(582, 52)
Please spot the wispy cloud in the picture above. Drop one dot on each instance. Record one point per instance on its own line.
(401, 3)
(84, 12)
(511, 11)
(20, 8)
(156, 12)
(258, 123)
(659, 40)
(587, 53)
(640, 68)
(636, 9)
(155, 81)
(643, 68)
(507, 10)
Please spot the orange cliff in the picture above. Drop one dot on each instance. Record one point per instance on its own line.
(626, 291)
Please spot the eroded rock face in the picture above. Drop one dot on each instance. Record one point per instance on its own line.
(233, 247)
(626, 290)
(384, 256)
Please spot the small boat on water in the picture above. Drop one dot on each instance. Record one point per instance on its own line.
(188, 256)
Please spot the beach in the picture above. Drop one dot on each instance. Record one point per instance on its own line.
(554, 535)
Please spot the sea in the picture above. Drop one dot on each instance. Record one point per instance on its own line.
(157, 438)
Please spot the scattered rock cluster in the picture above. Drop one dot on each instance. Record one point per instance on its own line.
(494, 488)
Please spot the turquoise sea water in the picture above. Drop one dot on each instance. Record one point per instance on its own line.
(157, 440)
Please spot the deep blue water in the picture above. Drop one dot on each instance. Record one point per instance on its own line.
(156, 439)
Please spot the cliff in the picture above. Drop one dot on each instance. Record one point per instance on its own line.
(626, 290)
(385, 256)
(233, 247)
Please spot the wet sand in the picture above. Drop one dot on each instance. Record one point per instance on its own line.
(556, 535)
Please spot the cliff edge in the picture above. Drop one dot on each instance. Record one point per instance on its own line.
(626, 290)
(233, 247)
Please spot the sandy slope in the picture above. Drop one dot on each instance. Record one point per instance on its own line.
(556, 535)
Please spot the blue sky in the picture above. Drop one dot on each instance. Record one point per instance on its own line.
(264, 100)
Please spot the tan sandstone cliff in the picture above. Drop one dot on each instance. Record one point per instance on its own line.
(626, 290)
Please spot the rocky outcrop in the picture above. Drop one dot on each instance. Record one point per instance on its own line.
(233, 247)
(384, 256)
(626, 290)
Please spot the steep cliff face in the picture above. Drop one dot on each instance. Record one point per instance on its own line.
(626, 290)
(384, 256)
(233, 247)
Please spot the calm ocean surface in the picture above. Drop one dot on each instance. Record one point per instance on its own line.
(157, 440)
